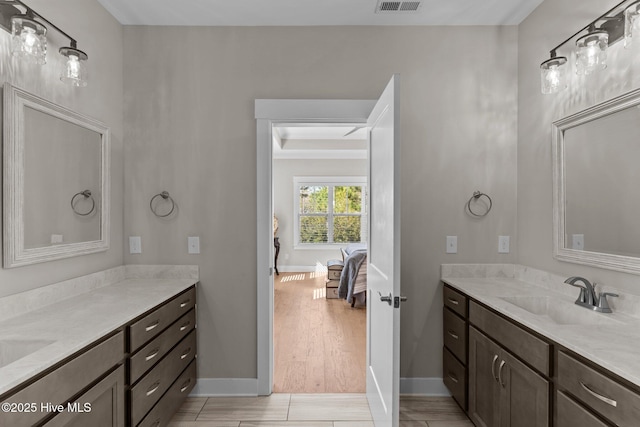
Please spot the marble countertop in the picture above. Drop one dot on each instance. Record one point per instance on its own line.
(73, 323)
(609, 340)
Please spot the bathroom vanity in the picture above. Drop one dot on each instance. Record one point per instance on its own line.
(517, 352)
(120, 354)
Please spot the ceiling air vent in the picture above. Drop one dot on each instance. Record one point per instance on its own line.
(397, 6)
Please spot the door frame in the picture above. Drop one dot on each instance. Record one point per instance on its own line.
(267, 113)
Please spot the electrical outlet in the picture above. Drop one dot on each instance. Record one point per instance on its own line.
(577, 242)
(503, 244)
(56, 238)
(135, 245)
(452, 244)
(193, 244)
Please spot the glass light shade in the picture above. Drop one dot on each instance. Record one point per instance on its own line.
(28, 39)
(591, 53)
(74, 70)
(631, 23)
(553, 75)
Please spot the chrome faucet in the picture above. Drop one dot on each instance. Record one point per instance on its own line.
(588, 297)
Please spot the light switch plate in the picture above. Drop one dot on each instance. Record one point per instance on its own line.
(193, 244)
(503, 244)
(135, 245)
(452, 244)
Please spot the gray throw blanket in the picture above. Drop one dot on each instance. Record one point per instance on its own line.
(349, 273)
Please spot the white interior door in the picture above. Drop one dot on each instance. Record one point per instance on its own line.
(383, 268)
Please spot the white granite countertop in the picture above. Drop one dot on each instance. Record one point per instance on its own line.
(609, 340)
(76, 321)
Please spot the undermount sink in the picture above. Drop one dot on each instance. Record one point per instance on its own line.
(12, 350)
(559, 312)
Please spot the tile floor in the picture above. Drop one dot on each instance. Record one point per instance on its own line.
(312, 410)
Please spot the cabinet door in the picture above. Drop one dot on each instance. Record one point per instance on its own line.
(484, 397)
(101, 406)
(524, 394)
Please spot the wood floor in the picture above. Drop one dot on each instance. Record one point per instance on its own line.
(312, 410)
(319, 343)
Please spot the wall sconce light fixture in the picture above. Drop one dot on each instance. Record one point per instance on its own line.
(593, 40)
(29, 40)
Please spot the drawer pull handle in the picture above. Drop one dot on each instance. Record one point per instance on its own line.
(155, 386)
(185, 354)
(152, 354)
(454, 301)
(185, 385)
(454, 336)
(493, 367)
(184, 303)
(185, 325)
(152, 326)
(453, 378)
(502, 363)
(598, 396)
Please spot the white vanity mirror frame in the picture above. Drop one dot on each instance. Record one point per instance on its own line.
(14, 252)
(561, 252)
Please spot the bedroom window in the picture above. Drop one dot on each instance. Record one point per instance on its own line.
(329, 210)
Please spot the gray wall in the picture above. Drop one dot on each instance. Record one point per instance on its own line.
(189, 127)
(549, 24)
(283, 173)
(100, 35)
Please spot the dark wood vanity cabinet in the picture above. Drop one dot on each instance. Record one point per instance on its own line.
(503, 391)
(162, 367)
(582, 385)
(494, 369)
(516, 377)
(95, 374)
(454, 351)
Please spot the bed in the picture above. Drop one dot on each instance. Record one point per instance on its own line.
(353, 280)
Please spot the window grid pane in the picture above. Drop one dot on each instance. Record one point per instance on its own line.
(331, 213)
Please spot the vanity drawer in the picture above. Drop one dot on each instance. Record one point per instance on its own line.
(455, 301)
(151, 353)
(455, 377)
(155, 322)
(570, 414)
(455, 335)
(153, 385)
(526, 346)
(66, 381)
(163, 411)
(597, 391)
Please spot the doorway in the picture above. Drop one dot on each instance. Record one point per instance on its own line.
(268, 113)
(319, 174)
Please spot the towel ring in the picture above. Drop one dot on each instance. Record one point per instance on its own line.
(165, 195)
(476, 196)
(87, 195)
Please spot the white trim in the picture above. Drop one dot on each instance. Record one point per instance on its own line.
(268, 111)
(319, 154)
(423, 386)
(207, 387)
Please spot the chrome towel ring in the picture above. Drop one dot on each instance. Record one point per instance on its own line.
(87, 195)
(475, 198)
(165, 195)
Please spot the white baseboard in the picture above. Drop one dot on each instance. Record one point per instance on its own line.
(299, 269)
(423, 386)
(208, 387)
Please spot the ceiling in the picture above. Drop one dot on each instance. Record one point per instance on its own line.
(320, 141)
(315, 12)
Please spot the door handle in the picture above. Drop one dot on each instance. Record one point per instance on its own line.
(387, 299)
